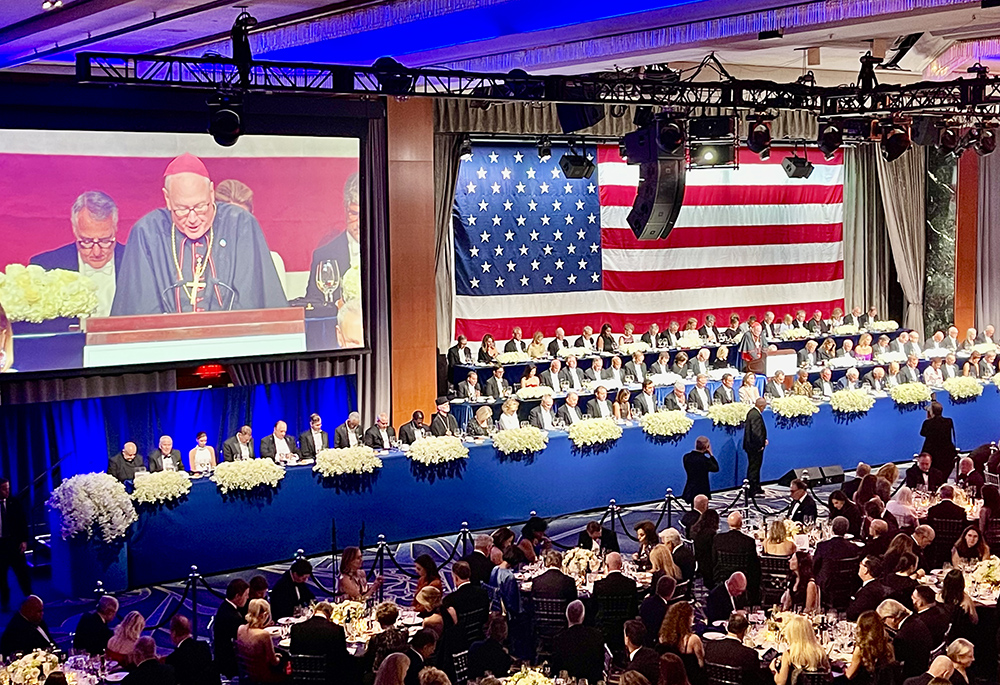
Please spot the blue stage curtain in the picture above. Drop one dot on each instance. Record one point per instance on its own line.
(46, 442)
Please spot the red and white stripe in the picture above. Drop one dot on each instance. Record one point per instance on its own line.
(747, 240)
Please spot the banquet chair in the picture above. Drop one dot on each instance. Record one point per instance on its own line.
(548, 620)
(721, 674)
(991, 478)
(841, 582)
(611, 612)
(727, 563)
(682, 593)
(460, 662)
(773, 578)
(307, 668)
(814, 678)
(992, 535)
(472, 625)
(946, 533)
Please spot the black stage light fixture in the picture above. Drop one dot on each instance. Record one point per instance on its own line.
(239, 34)
(225, 118)
(575, 164)
(392, 77)
(711, 128)
(544, 149)
(895, 141)
(658, 149)
(670, 134)
(759, 136)
(643, 116)
(984, 139)
(867, 80)
(830, 138)
(574, 118)
(949, 138)
(712, 154)
(465, 149)
(797, 167)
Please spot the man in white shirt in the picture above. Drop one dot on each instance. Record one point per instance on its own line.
(348, 434)
(550, 376)
(676, 401)
(645, 402)
(909, 373)
(875, 379)
(932, 374)
(900, 343)
(854, 318)
(586, 340)
(239, 447)
(615, 372)
(543, 416)
(951, 342)
(277, 445)
(570, 412)
(937, 342)
(807, 355)
(381, 435)
(700, 363)
(850, 380)
(596, 370)
(572, 375)
(724, 393)
(599, 407)
(825, 382)
(314, 440)
(987, 335)
(950, 367)
(700, 398)
(776, 386)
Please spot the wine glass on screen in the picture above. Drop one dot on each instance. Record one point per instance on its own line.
(328, 279)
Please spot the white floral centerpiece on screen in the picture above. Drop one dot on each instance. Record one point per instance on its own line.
(524, 440)
(882, 326)
(247, 475)
(846, 329)
(434, 450)
(592, 432)
(578, 562)
(795, 334)
(30, 293)
(93, 502)
(792, 406)
(631, 348)
(963, 387)
(346, 460)
(534, 393)
(30, 669)
(851, 401)
(512, 357)
(666, 424)
(732, 414)
(160, 487)
(910, 393)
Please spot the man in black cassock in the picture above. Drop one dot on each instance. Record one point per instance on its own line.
(195, 255)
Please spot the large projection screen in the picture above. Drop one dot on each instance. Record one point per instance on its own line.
(121, 249)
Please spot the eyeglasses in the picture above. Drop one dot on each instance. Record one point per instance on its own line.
(184, 212)
(88, 243)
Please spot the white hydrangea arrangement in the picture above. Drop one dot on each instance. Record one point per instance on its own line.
(889, 357)
(985, 348)
(963, 387)
(573, 352)
(434, 450)
(591, 432)
(30, 293)
(910, 393)
(882, 326)
(30, 669)
(851, 402)
(347, 612)
(795, 334)
(732, 414)
(93, 502)
(666, 424)
(534, 393)
(846, 329)
(160, 487)
(346, 460)
(512, 357)
(631, 348)
(526, 440)
(988, 572)
(578, 562)
(247, 475)
(793, 406)
(528, 676)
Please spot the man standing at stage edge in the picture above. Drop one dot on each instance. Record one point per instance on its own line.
(196, 254)
(754, 442)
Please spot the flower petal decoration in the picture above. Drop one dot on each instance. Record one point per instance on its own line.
(910, 393)
(534, 393)
(30, 293)
(882, 326)
(631, 348)
(247, 475)
(851, 402)
(846, 329)
(963, 387)
(732, 414)
(512, 357)
(795, 334)
(524, 440)
(793, 406)
(160, 487)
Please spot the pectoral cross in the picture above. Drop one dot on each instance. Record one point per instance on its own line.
(193, 289)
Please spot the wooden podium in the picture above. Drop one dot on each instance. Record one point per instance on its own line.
(119, 340)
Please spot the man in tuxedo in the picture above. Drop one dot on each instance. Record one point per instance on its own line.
(614, 585)
(645, 402)
(614, 372)
(27, 630)
(807, 355)
(553, 583)
(319, 636)
(735, 541)
(709, 330)
(878, 538)
(935, 616)
(642, 659)
(95, 251)
(652, 335)
(598, 539)
(871, 593)
(950, 367)
(951, 342)
(558, 343)
(730, 651)
(700, 397)
(661, 365)
(92, 632)
(586, 340)
(381, 435)
(191, 659)
(596, 370)
(874, 380)
(516, 344)
(923, 476)
(124, 464)
(479, 560)
(469, 388)
(816, 324)
(579, 649)
(803, 505)
(550, 377)
(228, 618)
(291, 590)
(849, 381)
(769, 327)
(946, 509)
(414, 429)
(911, 640)
(700, 364)
(637, 367)
(149, 670)
(699, 505)
(776, 386)
(240, 446)
(466, 597)
(899, 344)
(489, 654)
(570, 411)
(698, 463)
(314, 440)
(348, 434)
(676, 400)
(459, 353)
(941, 670)
(869, 317)
(443, 422)
(543, 416)
(13, 545)
(837, 548)
(726, 598)
(683, 555)
(599, 407)
(968, 477)
(654, 608)
(937, 341)
(825, 382)
(278, 445)
(421, 648)
(909, 373)
(672, 336)
(854, 318)
(851, 486)
(987, 335)
(165, 457)
(572, 376)
(497, 386)
(754, 442)
(724, 393)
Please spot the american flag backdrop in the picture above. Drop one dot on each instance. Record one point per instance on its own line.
(535, 249)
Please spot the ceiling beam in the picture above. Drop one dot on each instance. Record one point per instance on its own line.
(81, 9)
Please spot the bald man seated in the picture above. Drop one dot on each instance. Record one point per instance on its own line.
(27, 631)
(124, 465)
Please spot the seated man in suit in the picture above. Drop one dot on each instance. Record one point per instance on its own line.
(314, 440)
(618, 588)
(489, 654)
(165, 457)
(228, 618)
(816, 324)
(837, 548)
(550, 376)
(661, 365)
(676, 400)
(516, 344)
(579, 649)
(348, 434)
(26, 631)
(614, 372)
(92, 632)
(946, 509)
(415, 428)
(652, 336)
(497, 386)
(319, 636)
(191, 659)
(586, 339)
(553, 583)
(467, 598)
(597, 538)
(871, 593)
(645, 402)
(875, 380)
(825, 382)
(479, 560)
(724, 393)
(596, 370)
(726, 598)
(599, 407)
(278, 445)
(570, 412)
(558, 343)
(543, 416)
(730, 651)
(701, 363)
(637, 368)
(421, 649)
(240, 446)
(923, 476)
(124, 464)
(291, 590)
(641, 658)
(807, 355)
(909, 373)
(149, 670)
(469, 388)
(935, 615)
(654, 608)
(850, 381)
(776, 386)
(572, 375)
(803, 505)
(459, 353)
(735, 541)
(899, 344)
(911, 640)
(381, 435)
(700, 398)
(683, 555)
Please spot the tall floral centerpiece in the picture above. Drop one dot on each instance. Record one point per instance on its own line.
(93, 503)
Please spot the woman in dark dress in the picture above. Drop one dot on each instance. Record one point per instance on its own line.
(677, 637)
(605, 340)
(703, 532)
(939, 439)
(803, 593)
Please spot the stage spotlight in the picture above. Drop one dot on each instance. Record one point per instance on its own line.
(759, 136)
(225, 119)
(544, 149)
(574, 165)
(985, 137)
(51, 4)
(669, 134)
(465, 149)
(949, 138)
(895, 142)
(797, 167)
(709, 155)
(830, 138)
(392, 77)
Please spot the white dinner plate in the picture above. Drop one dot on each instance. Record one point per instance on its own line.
(116, 677)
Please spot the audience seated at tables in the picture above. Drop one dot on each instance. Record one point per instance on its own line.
(730, 650)
(26, 631)
(427, 575)
(489, 655)
(676, 636)
(430, 610)
(479, 559)
(597, 538)
(935, 616)
(901, 582)
(579, 649)
(640, 657)
(121, 645)
(614, 587)
(873, 652)
(911, 640)
(291, 591)
(871, 593)
(735, 541)
(319, 636)
(803, 505)
(804, 652)
(503, 538)
(777, 542)
(465, 597)
(92, 632)
(533, 540)
(389, 641)
(353, 582)
(228, 619)
(149, 670)
(878, 538)
(901, 544)
(969, 549)
(946, 509)
(645, 532)
(654, 608)
(836, 548)
(254, 648)
(968, 478)
(191, 658)
(962, 655)
(901, 506)
(726, 598)
(662, 561)
(422, 647)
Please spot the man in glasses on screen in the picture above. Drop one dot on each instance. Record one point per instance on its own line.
(196, 254)
(95, 251)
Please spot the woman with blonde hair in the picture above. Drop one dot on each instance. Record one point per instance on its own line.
(777, 542)
(433, 676)
(804, 653)
(627, 339)
(970, 339)
(259, 663)
(962, 653)
(537, 346)
(721, 360)
(890, 472)
(748, 388)
(435, 617)
(508, 415)
(901, 506)
(663, 564)
(393, 670)
(121, 645)
(863, 350)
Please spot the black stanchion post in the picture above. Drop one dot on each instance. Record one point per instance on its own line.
(746, 498)
(193, 580)
(333, 546)
(465, 535)
(381, 565)
(612, 509)
(99, 589)
(670, 507)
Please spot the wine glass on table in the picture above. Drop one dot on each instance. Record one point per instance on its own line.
(327, 279)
